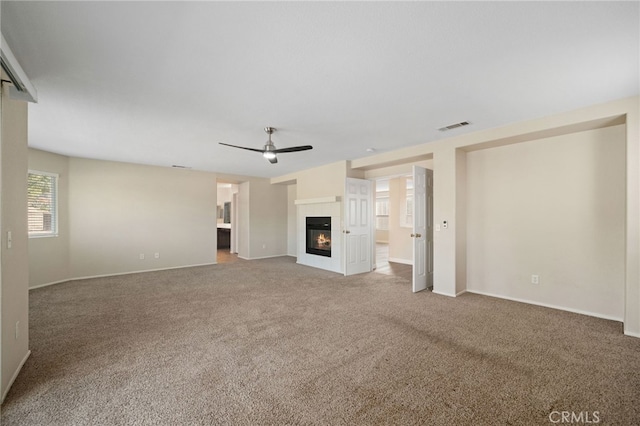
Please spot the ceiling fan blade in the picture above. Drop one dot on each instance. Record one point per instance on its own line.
(242, 147)
(273, 160)
(294, 149)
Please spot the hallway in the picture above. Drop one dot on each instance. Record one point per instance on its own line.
(383, 266)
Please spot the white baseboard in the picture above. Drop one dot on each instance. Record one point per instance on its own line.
(398, 260)
(443, 294)
(48, 284)
(632, 334)
(461, 293)
(548, 305)
(15, 376)
(119, 274)
(264, 257)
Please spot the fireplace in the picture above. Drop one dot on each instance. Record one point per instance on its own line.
(319, 235)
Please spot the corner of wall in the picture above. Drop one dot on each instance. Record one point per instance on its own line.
(14, 270)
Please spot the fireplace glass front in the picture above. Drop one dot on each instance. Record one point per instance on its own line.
(319, 236)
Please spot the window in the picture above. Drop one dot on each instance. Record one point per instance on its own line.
(406, 208)
(42, 191)
(382, 213)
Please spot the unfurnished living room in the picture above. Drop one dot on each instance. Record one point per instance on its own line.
(331, 213)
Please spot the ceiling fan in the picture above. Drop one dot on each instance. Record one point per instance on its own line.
(269, 151)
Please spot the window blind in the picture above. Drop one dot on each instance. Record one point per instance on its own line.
(42, 206)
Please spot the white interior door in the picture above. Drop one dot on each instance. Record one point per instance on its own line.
(419, 234)
(358, 226)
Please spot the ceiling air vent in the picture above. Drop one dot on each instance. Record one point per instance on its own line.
(454, 126)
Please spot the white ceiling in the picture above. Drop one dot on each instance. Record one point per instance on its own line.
(163, 83)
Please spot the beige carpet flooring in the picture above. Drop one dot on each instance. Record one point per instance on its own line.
(271, 342)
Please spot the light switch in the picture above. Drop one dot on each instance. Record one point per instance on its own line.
(437, 226)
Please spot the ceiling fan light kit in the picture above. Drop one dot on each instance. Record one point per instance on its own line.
(269, 151)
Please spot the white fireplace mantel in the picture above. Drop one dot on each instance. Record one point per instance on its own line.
(332, 199)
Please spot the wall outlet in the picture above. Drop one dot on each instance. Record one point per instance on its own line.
(141, 256)
(17, 329)
(157, 255)
(535, 279)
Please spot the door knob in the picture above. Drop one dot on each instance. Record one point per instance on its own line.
(347, 232)
(416, 235)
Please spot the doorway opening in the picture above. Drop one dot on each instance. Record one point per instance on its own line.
(403, 226)
(226, 220)
(390, 256)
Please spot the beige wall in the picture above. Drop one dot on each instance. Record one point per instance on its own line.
(120, 210)
(111, 213)
(461, 221)
(244, 241)
(382, 236)
(318, 182)
(14, 268)
(268, 214)
(554, 208)
(49, 256)
(292, 221)
(450, 274)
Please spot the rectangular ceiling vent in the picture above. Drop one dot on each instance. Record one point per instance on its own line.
(454, 126)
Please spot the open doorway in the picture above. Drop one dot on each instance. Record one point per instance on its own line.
(392, 252)
(403, 226)
(226, 222)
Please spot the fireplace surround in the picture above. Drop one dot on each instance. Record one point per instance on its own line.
(318, 239)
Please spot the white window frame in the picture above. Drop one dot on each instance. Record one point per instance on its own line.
(406, 206)
(382, 213)
(54, 214)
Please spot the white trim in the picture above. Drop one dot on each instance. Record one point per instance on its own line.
(15, 376)
(632, 334)
(460, 293)
(40, 172)
(50, 235)
(54, 231)
(264, 257)
(89, 277)
(331, 199)
(548, 305)
(443, 294)
(51, 283)
(29, 94)
(398, 260)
